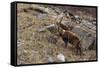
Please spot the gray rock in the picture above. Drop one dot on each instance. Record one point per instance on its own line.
(86, 37)
(41, 16)
(61, 57)
(50, 59)
(93, 44)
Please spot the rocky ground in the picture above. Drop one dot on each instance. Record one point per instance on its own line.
(35, 45)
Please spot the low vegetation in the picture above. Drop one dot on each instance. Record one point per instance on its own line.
(35, 47)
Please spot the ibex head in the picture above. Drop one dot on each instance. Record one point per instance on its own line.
(61, 26)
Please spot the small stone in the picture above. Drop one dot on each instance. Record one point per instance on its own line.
(50, 59)
(76, 16)
(61, 57)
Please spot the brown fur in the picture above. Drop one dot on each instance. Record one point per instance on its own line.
(72, 39)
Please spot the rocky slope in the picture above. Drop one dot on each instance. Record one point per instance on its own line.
(44, 46)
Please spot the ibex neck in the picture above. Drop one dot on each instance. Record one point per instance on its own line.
(62, 32)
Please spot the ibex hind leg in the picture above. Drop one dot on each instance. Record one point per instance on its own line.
(76, 51)
(79, 51)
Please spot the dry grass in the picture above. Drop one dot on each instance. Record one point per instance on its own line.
(35, 47)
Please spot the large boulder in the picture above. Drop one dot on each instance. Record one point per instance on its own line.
(87, 38)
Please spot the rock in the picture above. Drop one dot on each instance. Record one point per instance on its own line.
(94, 28)
(20, 42)
(50, 27)
(79, 31)
(87, 24)
(86, 37)
(76, 16)
(41, 16)
(94, 23)
(61, 57)
(50, 59)
(93, 44)
(25, 51)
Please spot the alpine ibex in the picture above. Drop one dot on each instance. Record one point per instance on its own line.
(69, 37)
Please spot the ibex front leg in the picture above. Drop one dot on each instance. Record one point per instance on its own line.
(65, 41)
